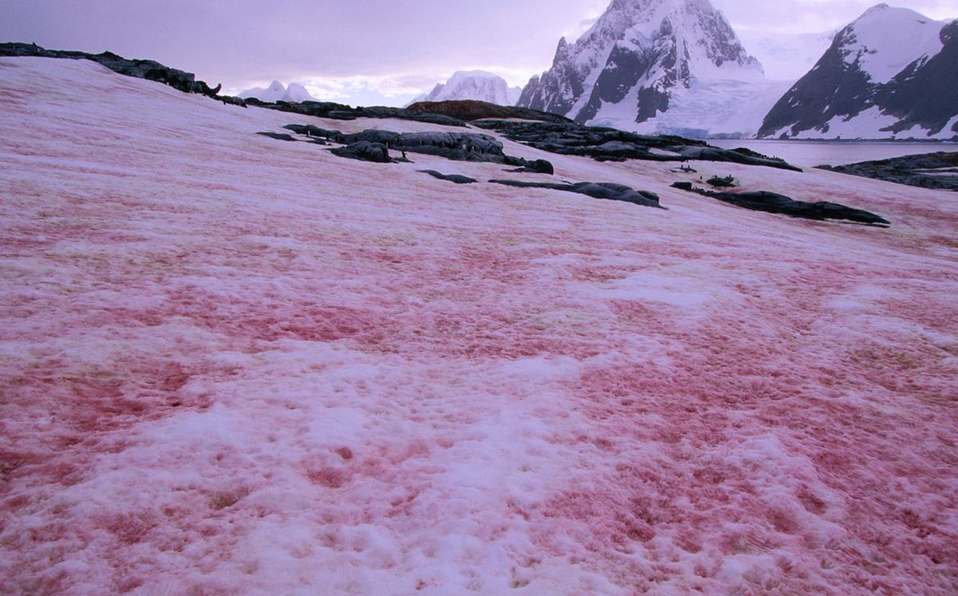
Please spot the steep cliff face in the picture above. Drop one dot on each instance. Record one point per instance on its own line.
(637, 61)
(892, 73)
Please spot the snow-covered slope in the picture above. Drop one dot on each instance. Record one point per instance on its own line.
(786, 56)
(277, 92)
(656, 66)
(474, 84)
(237, 366)
(893, 73)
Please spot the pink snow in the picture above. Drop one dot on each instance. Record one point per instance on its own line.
(233, 365)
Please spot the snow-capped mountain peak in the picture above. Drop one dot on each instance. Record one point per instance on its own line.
(703, 38)
(870, 44)
(276, 88)
(278, 92)
(639, 60)
(475, 84)
(889, 74)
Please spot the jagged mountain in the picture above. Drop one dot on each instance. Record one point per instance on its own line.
(277, 92)
(657, 66)
(892, 73)
(475, 85)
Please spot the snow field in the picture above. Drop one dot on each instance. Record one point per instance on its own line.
(234, 365)
(917, 39)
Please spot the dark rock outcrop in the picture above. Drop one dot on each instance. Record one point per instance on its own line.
(469, 110)
(141, 69)
(740, 156)
(335, 111)
(596, 190)
(315, 132)
(454, 178)
(277, 135)
(364, 151)
(457, 146)
(609, 144)
(602, 144)
(232, 101)
(770, 202)
(539, 166)
(929, 170)
(721, 182)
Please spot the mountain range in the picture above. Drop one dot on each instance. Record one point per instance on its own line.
(277, 92)
(678, 67)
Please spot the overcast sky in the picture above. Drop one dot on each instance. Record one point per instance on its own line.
(387, 51)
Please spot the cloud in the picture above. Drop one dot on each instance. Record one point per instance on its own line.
(339, 89)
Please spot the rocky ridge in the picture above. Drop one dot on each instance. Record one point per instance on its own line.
(142, 69)
(374, 145)
(471, 110)
(931, 170)
(609, 144)
(773, 202)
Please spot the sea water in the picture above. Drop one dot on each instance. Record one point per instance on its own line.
(833, 153)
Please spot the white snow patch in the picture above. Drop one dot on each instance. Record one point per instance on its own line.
(889, 39)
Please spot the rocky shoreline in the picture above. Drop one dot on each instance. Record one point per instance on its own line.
(610, 144)
(930, 170)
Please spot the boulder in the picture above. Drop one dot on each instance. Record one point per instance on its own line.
(364, 151)
(317, 133)
(596, 190)
(455, 178)
(771, 202)
(719, 182)
(232, 100)
(381, 137)
(279, 136)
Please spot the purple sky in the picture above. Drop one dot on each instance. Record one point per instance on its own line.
(383, 51)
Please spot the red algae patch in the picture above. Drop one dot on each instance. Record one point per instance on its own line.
(235, 366)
